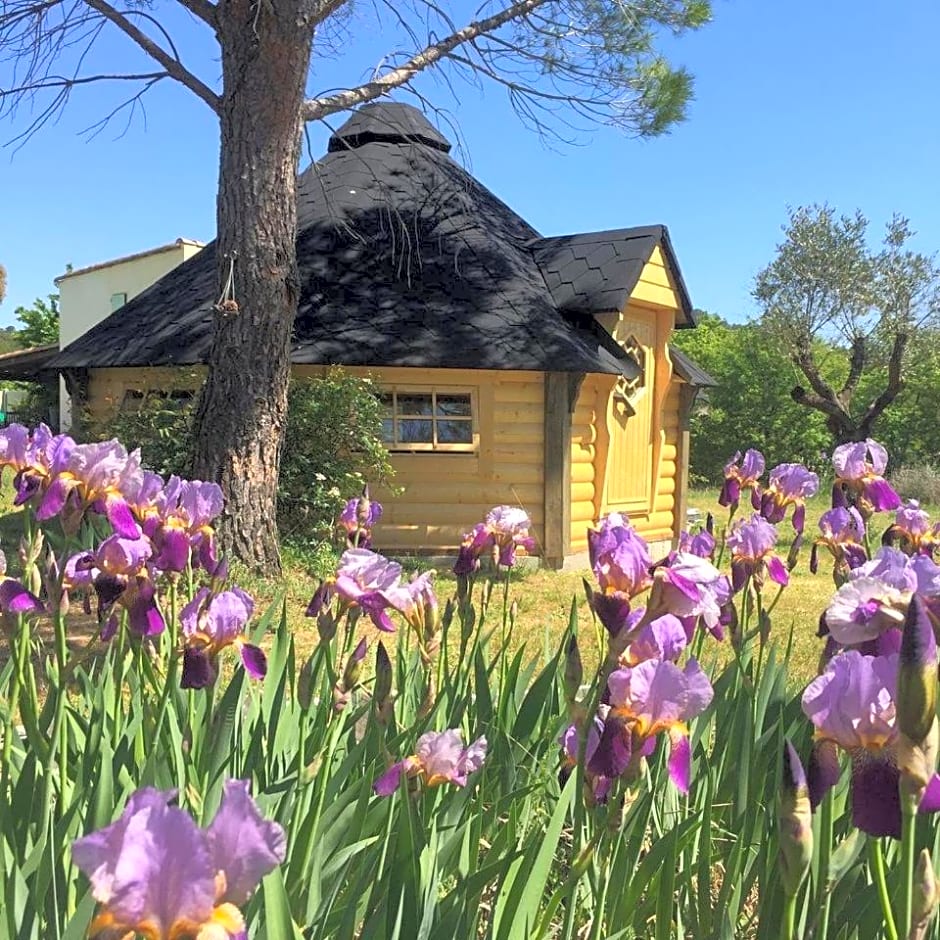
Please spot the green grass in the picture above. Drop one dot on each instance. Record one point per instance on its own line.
(544, 598)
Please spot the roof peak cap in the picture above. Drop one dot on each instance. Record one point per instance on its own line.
(387, 122)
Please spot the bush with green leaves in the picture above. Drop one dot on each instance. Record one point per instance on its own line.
(333, 447)
(160, 425)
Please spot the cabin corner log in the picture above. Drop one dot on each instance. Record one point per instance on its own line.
(561, 392)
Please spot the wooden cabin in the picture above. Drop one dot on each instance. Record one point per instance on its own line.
(515, 368)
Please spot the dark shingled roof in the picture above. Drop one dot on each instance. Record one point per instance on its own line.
(405, 260)
(686, 369)
(596, 272)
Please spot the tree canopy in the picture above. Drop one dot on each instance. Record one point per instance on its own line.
(557, 60)
(829, 298)
(40, 322)
(751, 404)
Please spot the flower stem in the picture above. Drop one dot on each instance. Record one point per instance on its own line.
(908, 850)
(877, 863)
(825, 853)
(789, 918)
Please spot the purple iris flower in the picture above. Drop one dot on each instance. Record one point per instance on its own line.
(842, 531)
(570, 743)
(440, 757)
(120, 574)
(366, 580)
(15, 599)
(864, 609)
(752, 552)
(860, 471)
(358, 518)
(619, 557)
(912, 530)
(34, 457)
(693, 589)
(509, 527)
(871, 605)
(154, 872)
(95, 476)
(472, 547)
(791, 484)
(701, 544)
(178, 516)
(739, 475)
(210, 623)
(662, 638)
(648, 699)
(852, 706)
(416, 601)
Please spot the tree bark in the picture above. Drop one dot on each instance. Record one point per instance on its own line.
(240, 419)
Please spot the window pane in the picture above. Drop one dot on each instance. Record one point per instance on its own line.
(388, 431)
(414, 404)
(454, 432)
(385, 400)
(453, 406)
(414, 431)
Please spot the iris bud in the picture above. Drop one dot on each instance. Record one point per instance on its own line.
(917, 674)
(354, 666)
(305, 684)
(383, 676)
(794, 823)
(925, 893)
(574, 670)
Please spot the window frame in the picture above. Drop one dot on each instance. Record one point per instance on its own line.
(395, 446)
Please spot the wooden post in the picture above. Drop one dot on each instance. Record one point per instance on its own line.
(561, 392)
(687, 395)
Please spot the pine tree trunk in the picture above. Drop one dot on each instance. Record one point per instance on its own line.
(241, 415)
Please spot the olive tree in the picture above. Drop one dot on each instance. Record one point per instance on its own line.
(838, 306)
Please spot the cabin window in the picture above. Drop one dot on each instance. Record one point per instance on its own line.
(429, 419)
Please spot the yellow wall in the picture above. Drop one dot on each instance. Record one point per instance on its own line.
(444, 495)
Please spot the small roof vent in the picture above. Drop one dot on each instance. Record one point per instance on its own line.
(387, 122)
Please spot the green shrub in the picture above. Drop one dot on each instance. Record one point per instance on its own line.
(161, 427)
(332, 448)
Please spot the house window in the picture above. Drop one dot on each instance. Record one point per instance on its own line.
(428, 419)
(118, 301)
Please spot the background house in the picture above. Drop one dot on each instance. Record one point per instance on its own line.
(89, 295)
(515, 368)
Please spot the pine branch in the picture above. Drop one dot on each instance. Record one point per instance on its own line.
(315, 109)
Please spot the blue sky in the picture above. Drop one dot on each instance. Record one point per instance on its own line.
(796, 102)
